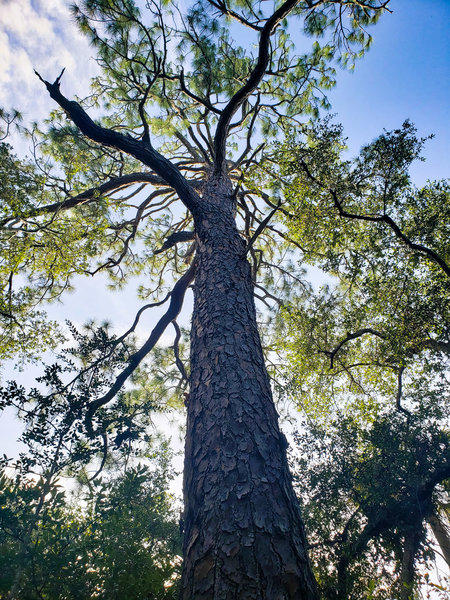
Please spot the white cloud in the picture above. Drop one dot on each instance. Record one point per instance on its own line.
(5, 60)
(40, 34)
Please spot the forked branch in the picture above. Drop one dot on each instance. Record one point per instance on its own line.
(351, 336)
(251, 84)
(140, 150)
(434, 256)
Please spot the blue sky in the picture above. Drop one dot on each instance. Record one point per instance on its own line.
(406, 74)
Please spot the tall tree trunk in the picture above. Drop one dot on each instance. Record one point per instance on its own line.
(244, 537)
(407, 571)
(441, 533)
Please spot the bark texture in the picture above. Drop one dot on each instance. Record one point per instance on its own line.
(407, 571)
(244, 537)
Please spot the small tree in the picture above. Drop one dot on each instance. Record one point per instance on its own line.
(97, 546)
(118, 539)
(368, 495)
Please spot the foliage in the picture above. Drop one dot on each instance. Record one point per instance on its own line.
(116, 538)
(168, 73)
(365, 491)
(118, 533)
(379, 330)
(24, 330)
(60, 431)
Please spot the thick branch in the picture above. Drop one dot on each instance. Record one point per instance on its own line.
(174, 239)
(395, 228)
(436, 345)
(384, 521)
(407, 572)
(393, 515)
(7, 315)
(379, 219)
(439, 475)
(252, 82)
(351, 336)
(125, 143)
(112, 185)
(176, 351)
(431, 344)
(398, 399)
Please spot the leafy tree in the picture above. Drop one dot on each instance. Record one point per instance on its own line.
(118, 539)
(382, 331)
(368, 495)
(52, 549)
(24, 331)
(370, 351)
(173, 165)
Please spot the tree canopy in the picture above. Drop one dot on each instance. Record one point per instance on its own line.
(92, 207)
(381, 331)
(368, 358)
(190, 163)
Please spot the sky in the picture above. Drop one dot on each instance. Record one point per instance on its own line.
(406, 74)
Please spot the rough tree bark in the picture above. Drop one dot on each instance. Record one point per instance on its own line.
(244, 536)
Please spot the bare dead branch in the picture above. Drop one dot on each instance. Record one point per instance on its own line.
(261, 227)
